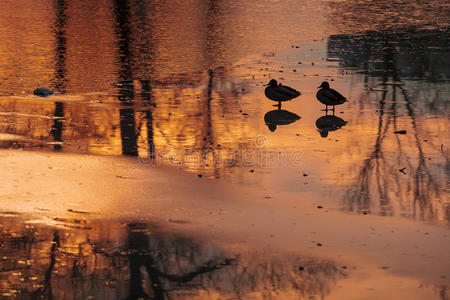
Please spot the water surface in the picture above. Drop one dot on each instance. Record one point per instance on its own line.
(181, 83)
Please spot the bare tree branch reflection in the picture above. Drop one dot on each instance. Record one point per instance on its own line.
(46, 289)
(110, 261)
(383, 184)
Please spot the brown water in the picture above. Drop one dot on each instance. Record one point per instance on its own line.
(111, 260)
(181, 83)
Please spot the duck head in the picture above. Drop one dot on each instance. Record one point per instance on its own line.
(272, 127)
(273, 83)
(323, 133)
(324, 85)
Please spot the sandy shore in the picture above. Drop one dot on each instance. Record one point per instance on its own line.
(383, 254)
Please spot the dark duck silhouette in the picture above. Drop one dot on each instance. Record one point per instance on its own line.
(279, 117)
(328, 96)
(328, 123)
(278, 92)
(43, 92)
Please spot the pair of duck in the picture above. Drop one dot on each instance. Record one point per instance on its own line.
(326, 95)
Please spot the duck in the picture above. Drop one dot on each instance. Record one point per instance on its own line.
(328, 96)
(43, 92)
(279, 117)
(328, 123)
(278, 92)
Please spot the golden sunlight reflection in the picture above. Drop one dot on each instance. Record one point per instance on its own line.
(181, 84)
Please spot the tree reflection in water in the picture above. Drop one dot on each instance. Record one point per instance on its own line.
(392, 58)
(140, 256)
(107, 260)
(125, 79)
(60, 71)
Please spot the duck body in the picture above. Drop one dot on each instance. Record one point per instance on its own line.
(278, 92)
(328, 96)
(43, 92)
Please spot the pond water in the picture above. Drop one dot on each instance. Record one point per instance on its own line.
(104, 260)
(181, 83)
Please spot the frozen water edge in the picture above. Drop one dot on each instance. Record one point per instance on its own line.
(385, 251)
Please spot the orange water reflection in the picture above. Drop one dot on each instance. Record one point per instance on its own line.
(139, 81)
(180, 83)
(77, 258)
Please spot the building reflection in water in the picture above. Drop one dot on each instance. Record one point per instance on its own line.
(133, 261)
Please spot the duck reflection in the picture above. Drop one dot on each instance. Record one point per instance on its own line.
(328, 123)
(279, 116)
